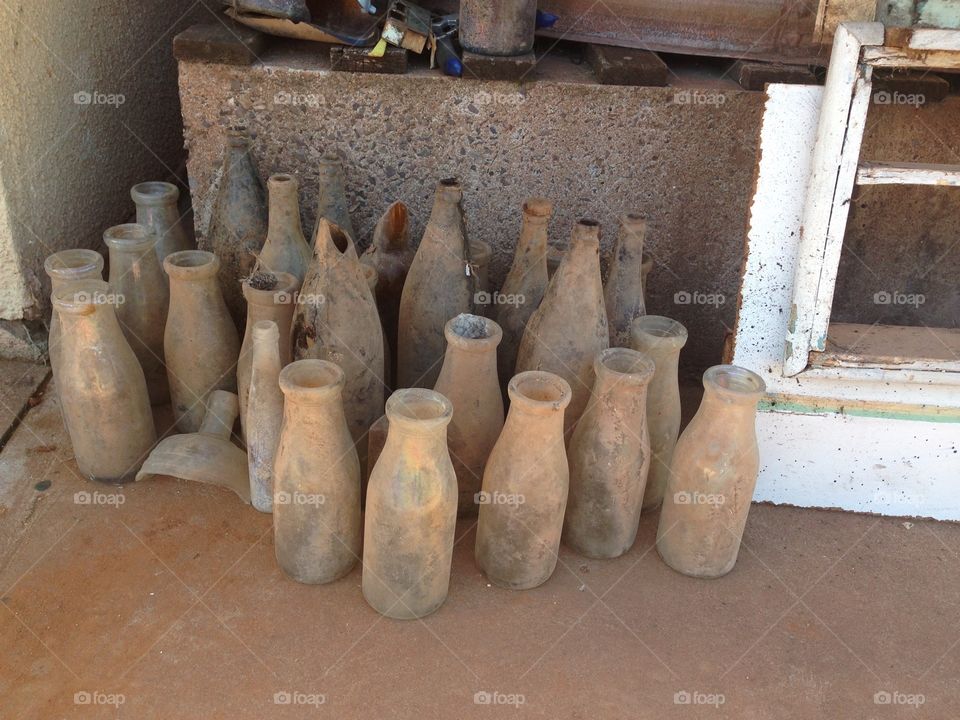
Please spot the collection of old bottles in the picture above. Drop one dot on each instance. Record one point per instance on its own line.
(589, 439)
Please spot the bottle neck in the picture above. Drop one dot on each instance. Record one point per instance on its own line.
(284, 214)
(732, 409)
(92, 327)
(417, 442)
(532, 244)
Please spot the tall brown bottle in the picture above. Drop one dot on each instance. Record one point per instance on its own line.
(391, 255)
(411, 512)
(525, 486)
(437, 289)
(102, 390)
(623, 294)
(332, 197)
(610, 457)
(238, 224)
(336, 319)
(316, 479)
(569, 328)
(270, 296)
(525, 284)
(469, 380)
(137, 278)
(286, 249)
(200, 342)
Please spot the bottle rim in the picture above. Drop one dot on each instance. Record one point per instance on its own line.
(418, 409)
(734, 382)
(539, 391)
(473, 333)
(155, 192)
(75, 263)
(129, 237)
(311, 380)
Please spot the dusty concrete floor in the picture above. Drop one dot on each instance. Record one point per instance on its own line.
(171, 599)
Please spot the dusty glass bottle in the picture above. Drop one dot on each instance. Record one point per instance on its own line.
(332, 197)
(623, 294)
(411, 511)
(286, 249)
(525, 486)
(200, 341)
(336, 319)
(610, 457)
(505, 27)
(264, 412)
(270, 296)
(661, 339)
(238, 223)
(316, 481)
(569, 328)
(157, 209)
(524, 285)
(64, 267)
(391, 255)
(140, 285)
(103, 393)
(437, 289)
(469, 380)
(713, 475)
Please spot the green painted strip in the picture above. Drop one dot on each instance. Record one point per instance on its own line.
(908, 413)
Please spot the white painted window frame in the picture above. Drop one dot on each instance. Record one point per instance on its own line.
(835, 169)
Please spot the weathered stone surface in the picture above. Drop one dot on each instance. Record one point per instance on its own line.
(497, 67)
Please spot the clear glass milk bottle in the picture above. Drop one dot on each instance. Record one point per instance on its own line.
(525, 485)
(136, 276)
(411, 512)
(103, 393)
(661, 339)
(157, 209)
(316, 478)
(610, 457)
(712, 476)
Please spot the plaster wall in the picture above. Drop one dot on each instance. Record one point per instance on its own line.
(89, 107)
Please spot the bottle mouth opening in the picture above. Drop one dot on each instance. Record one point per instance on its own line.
(270, 287)
(473, 332)
(450, 183)
(632, 365)
(154, 192)
(74, 263)
(330, 158)
(191, 263)
(539, 390)
(734, 381)
(588, 223)
(265, 330)
(238, 138)
(634, 218)
(538, 207)
(658, 326)
(311, 378)
(417, 407)
(129, 236)
(281, 179)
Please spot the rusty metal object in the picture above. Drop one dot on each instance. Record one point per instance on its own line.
(762, 30)
(491, 27)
